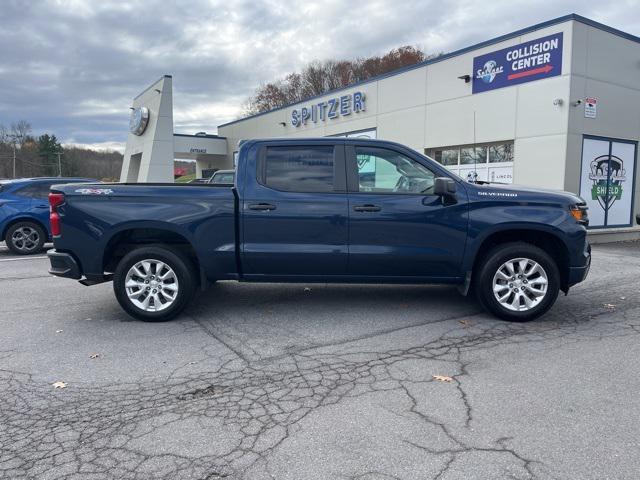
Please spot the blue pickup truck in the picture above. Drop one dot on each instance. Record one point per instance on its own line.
(322, 210)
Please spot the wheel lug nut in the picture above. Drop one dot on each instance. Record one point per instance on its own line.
(154, 290)
(511, 285)
(515, 289)
(148, 288)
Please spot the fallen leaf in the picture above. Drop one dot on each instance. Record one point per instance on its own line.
(623, 298)
(442, 378)
(192, 363)
(466, 323)
(610, 306)
(59, 385)
(94, 355)
(58, 331)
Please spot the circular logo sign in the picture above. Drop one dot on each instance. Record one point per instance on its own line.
(489, 72)
(139, 120)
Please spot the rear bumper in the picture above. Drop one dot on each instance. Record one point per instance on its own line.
(63, 265)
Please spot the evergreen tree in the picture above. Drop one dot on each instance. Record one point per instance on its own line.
(48, 150)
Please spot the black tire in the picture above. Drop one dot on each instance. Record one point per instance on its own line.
(25, 238)
(184, 272)
(497, 257)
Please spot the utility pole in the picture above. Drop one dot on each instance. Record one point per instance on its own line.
(14, 137)
(59, 165)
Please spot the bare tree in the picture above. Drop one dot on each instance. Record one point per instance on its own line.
(20, 131)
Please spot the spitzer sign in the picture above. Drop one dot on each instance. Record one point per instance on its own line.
(526, 62)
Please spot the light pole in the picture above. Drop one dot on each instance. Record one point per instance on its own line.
(59, 165)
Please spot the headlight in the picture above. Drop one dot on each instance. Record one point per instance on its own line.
(580, 213)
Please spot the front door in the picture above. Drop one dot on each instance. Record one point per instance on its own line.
(294, 214)
(397, 226)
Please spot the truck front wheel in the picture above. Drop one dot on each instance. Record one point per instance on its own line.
(153, 283)
(517, 282)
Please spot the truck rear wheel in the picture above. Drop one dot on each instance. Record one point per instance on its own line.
(154, 284)
(517, 282)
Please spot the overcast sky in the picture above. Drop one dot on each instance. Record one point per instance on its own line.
(72, 67)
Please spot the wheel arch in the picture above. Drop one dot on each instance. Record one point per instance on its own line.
(127, 238)
(546, 239)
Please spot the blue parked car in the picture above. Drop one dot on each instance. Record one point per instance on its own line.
(24, 212)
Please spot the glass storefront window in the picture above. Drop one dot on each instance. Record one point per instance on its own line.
(501, 153)
(471, 156)
(446, 157)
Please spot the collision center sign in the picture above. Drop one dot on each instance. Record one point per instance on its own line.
(534, 60)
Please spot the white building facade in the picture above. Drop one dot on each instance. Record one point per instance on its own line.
(555, 105)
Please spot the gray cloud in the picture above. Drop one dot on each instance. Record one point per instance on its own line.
(72, 67)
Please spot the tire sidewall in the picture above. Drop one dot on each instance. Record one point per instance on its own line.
(42, 237)
(502, 254)
(179, 263)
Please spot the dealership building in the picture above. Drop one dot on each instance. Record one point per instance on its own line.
(555, 105)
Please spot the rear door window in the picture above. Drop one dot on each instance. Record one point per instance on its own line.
(305, 169)
(35, 190)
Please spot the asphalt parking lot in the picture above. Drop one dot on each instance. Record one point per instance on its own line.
(319, 382)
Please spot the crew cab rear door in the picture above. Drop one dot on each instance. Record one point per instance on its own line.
(398, 227)
(294, 211)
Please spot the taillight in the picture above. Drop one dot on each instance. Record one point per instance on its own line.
(55, 200)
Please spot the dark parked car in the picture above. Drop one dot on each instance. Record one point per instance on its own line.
(300, 212)
(24, 212)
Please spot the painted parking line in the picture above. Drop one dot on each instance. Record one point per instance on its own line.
(21, 258)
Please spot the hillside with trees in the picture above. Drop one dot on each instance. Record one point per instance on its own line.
(44, 156)
(323, 76)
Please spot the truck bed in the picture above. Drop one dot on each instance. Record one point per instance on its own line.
(96, 216)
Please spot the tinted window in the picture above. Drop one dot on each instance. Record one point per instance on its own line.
(299, 169)
(386, 171)
(35, 190)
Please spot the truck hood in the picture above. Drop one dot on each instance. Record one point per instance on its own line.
(504, 191)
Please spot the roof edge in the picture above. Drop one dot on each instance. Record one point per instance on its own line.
(455, 53)
(208, 135)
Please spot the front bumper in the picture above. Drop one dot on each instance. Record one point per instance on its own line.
(578, 274)
(63, 265)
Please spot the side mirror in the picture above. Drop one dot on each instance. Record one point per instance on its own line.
(444, 186)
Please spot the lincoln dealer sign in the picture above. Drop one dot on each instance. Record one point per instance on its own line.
(534, 60)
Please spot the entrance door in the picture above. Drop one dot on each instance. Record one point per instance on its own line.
(294, 216)
(398, 227)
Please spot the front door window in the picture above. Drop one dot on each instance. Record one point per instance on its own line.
(387, 171)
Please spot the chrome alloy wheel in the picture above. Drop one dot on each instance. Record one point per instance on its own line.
(151, 285)
(25, 239)
(520, 284)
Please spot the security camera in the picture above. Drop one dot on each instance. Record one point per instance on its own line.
(577, 102)
(558, 102)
